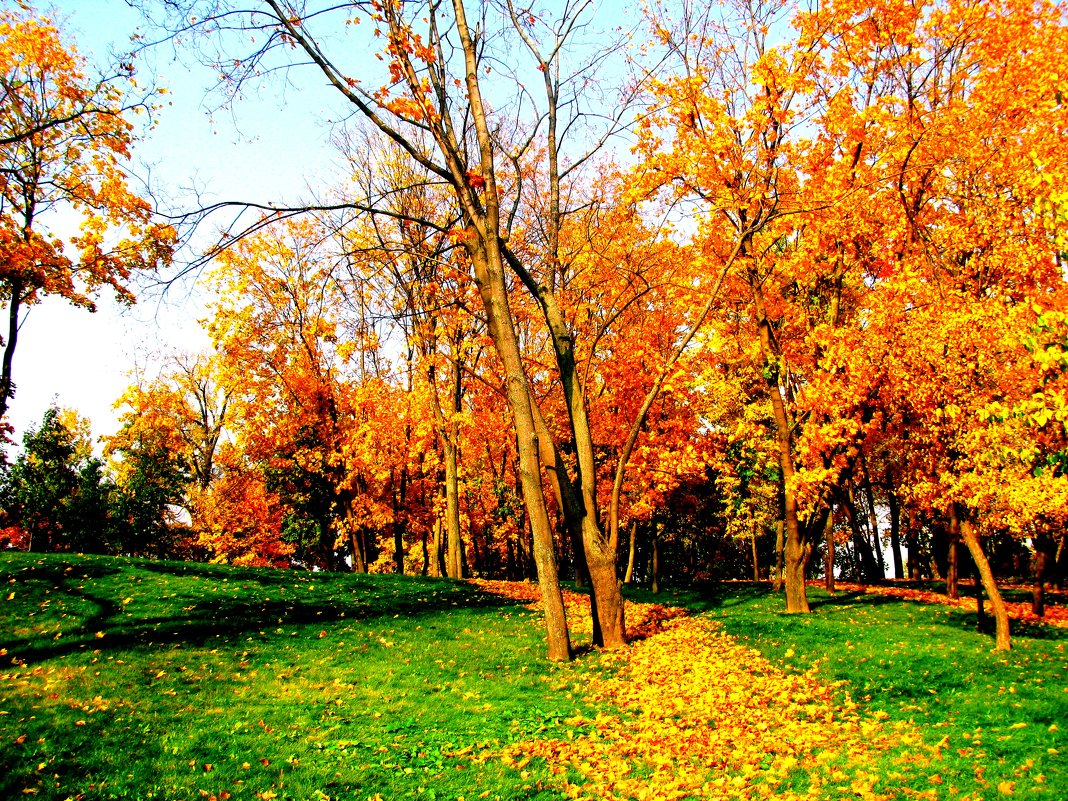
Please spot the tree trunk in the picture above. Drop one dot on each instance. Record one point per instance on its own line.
(779, 556)
(1040, 567)
(1001, 615)
(489, 276)
(895, 534)
(630, 554)
(873, 525)
(828, 560)
(952, 557)
(453, 564)
(654, 564)
(795, 553)
(912, 542)
(7, 386)
(756, 558)
(359, 556)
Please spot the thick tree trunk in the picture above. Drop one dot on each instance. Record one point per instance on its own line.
(489, 275)
(970, 536)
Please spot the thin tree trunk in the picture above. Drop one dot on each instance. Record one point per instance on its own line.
(756, 558)
(359, 557)
(1040, 567)
(654, 563)
(952, 557)
(779, 556)
(797, 548)
(7, 386)
(912, 542)
(873, 524)
(970, 536)
(895, 533)
(629, 577)
(828, 560)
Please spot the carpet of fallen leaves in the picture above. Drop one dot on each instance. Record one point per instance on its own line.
(686, 711)
(1055, 615)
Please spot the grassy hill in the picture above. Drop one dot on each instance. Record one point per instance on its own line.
(136, 679)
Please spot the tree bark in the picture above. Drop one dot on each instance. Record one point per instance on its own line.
(779, 556)
(1040, 568)
(756, 558)
(7, 386)
(873, 525)
(629, 577)
(970, 536)
(828, 561)
(895, 533)
(797, 549)
(952, 557)
(654, 564)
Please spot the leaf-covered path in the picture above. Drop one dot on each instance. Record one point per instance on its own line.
(687, 712)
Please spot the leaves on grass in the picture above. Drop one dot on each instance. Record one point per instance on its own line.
(688, 712)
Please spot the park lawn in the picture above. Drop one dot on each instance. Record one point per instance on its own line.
(137, 679)
(1000, 719)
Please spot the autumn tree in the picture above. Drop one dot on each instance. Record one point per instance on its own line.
(433, 103)
(65, 139)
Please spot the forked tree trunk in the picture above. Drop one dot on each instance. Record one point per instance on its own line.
(489, 276)
(970, 536)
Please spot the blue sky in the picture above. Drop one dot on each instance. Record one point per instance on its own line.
(269, 147)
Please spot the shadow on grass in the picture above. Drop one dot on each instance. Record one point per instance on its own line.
(189, 617)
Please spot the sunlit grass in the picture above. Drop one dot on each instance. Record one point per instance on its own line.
(134, 679)
(1002, 717)
(129, 679)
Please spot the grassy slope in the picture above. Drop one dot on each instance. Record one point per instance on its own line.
(178, 681)
(159, 680)
(1005, 715)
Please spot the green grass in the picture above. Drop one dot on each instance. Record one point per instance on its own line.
(135, 679)
(1005, 715)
